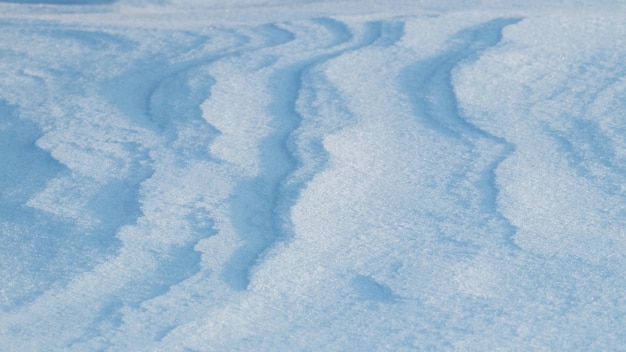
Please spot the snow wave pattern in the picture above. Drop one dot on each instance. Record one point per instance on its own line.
(404, 183)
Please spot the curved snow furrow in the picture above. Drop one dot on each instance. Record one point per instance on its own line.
(176, 105)
(165, 243)
(562, 113)
(322, 110)
(180, 92)
(256, 65)
(188, 173)
(436, 105)
(273, 191)
(561, 186)
(488, 186)
(134, 83)
(289, 85)
(586, 134)
(223, 172)
(353, 249)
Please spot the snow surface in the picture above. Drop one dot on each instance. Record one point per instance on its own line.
(276, 175)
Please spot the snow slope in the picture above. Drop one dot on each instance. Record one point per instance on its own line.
(312, 176)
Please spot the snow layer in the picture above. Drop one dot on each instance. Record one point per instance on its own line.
(318, 175)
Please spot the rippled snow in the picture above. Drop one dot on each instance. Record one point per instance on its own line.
(189, 176)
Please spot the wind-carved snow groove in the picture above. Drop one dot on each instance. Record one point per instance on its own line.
(274, 191)
(173, 101)
(158, 245)
(174, 106)
(147, 78)
(321, 103)
(437, 105)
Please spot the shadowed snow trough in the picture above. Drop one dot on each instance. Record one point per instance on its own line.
(274, 175)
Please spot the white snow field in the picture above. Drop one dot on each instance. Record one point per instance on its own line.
(283, 175)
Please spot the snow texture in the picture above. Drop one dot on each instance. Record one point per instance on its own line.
(290, 175)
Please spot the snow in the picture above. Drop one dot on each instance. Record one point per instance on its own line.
(275, 175)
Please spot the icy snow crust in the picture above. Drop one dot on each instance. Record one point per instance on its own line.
(195, 176)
